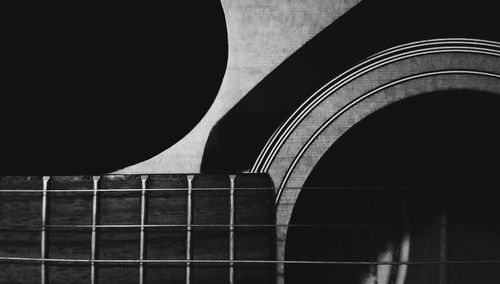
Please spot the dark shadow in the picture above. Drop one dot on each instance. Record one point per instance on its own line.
(370, 27)
(91, 87)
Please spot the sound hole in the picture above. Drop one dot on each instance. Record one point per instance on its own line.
(412, 185)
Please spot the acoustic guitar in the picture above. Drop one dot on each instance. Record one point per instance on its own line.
(65, 221)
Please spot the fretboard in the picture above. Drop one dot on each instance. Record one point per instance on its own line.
(136, 229)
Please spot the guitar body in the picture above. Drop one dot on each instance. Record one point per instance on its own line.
(294, 116)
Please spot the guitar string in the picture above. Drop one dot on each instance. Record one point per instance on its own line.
(239, 189)
(122, 261)
(131, 226)
(240, 261)
(390, 187)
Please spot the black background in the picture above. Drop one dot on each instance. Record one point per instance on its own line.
(93, 86)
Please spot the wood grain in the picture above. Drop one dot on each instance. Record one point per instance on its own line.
(20, 223)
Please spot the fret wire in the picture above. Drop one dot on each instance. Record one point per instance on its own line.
(188, 228)
(144, 179)
(94, 222)
(43, 241)
(243, 261)
(231, 230)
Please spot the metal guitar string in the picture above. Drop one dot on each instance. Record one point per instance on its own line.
(234, 261)
(240, 261)
(222, 189)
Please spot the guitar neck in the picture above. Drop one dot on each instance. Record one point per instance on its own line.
(136, 229)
